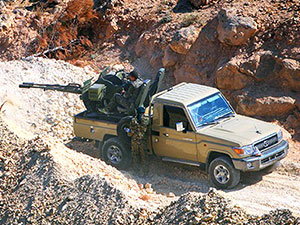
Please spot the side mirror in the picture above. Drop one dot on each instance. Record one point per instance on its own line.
(179, 127)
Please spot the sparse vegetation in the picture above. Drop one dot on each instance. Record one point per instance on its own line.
(191, 18)
(69, 35)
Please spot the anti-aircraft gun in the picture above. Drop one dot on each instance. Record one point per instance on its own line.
(91, 94)
(96, 95)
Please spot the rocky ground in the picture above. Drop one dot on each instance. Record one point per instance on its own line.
(248, 49)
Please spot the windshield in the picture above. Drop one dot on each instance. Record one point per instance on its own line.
(210, 110)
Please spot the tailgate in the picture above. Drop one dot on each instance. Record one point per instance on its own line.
(93, 129)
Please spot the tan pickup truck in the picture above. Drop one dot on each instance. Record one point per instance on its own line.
(193, 124)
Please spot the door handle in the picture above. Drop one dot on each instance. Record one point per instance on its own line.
(166, 134)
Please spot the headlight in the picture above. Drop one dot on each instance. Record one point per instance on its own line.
(247, 150)
(279, 135)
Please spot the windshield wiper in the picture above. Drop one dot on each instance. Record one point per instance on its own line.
(209, 123)
(225, 116)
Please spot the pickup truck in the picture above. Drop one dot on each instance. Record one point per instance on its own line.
(192, 124)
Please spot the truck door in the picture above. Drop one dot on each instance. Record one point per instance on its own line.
(171, 143)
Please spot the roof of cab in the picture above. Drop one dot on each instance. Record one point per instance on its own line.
(186, 93)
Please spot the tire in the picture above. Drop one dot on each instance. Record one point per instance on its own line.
(223, 174)
(116, 153)
(122, 134)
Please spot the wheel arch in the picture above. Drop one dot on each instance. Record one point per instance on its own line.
(213, 155)
(107, 136)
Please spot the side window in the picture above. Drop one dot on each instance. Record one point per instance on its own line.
(173, 115)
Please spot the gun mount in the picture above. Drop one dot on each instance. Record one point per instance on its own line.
(96, 95)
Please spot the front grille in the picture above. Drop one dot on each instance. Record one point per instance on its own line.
(266, 143)
(272, 157)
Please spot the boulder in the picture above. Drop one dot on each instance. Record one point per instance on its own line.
(191, 73)
(183, 39)
(199, 3)
(267, 66)
(141, 47)
(156, 60)
(292, 122)
(235, 30)
(122, 41)
(290, 73)
(268, 106)
(229, 77)
(111, 29)
(170, 57)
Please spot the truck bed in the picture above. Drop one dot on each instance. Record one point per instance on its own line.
(95, 125)
(114, 118)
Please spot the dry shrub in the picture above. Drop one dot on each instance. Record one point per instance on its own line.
(71, 31)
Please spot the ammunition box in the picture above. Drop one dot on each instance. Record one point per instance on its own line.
(96, 92)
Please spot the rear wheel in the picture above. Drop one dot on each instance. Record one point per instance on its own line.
(116, 153)
(122, 129)
(223, 174)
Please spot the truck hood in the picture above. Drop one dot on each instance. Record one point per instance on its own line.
(240, 130)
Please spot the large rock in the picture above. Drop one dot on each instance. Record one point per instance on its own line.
(230, 77)
(191, 73)
(143, 44)
(290, 73)
(183, 39)
(170, 57)
(111, 29)
(267, 106)
(156, 60)
(235, 30)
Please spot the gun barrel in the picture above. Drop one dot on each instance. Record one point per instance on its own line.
(26, 85)
(70, 88)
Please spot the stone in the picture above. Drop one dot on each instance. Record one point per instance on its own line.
(183, 39)
(199, 3)
(145, 197)
(290, 73)
(229, 77)
(170, 57)
(111, 29)
(187, 208)
(142, 44)
(2, 4)
(191, 73)
(156, 60)
(122, 41)
(268, 106)
(149, 190)
(171, 195)
(292, 122)
(148, 185)
(235, 30)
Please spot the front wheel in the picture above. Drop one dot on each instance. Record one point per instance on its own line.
(116, 153)
(223, 174)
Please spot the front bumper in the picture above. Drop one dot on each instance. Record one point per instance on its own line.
(267, 158)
